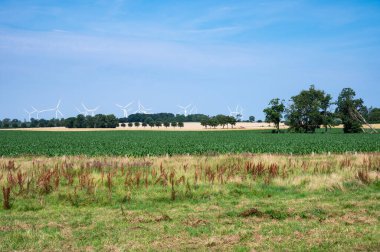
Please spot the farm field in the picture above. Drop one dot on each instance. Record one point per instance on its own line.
(224, 202)
(157, 143)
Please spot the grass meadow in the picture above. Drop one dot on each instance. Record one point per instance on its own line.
(239, 202)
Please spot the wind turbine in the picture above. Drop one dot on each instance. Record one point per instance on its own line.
(237, 113)
(125, 108)
(82, 112)
(30, 113)
(141, 109)
(194, 110)
(90, 111)
(184, 108)
(38, 112)
(56, 109)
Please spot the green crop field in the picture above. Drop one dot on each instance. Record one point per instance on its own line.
(155, 143)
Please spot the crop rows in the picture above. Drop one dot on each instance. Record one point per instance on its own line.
(138, 143)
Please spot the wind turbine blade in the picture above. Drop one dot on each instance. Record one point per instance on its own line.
(129, 104)
(84, 107)
(59, 103)
(119, 106)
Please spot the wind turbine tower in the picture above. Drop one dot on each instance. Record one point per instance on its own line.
(38, 112)
(30, 113)
(185, 109)
(56, 109)
(238, 112)
(141, 109)
(90, 111)
(125, 108)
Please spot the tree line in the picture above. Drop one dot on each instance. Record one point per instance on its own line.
(162, 117)
(80, 121)
(308, 111)
(313, 108)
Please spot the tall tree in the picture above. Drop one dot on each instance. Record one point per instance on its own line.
(305, 114)
(274, 112)
(348, 109)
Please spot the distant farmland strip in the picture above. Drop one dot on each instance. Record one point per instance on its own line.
(139, 143)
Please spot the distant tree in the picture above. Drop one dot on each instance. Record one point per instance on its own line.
(222, 120)
(23, 125)
(274, 112)
(181, 125)
(347, 107)
(232, 121)
(158, 124)
(6, 123)
(259, 121)
(137, 124)
(213, 122)
(42, 123)
(374, 115)
(80, 122)
(90, 122)
(111, 121)
(205, 122)
(149, 120)
(69, 122)
(130, 124)
(174, 124)
(100, 121)
(15, 123)
(144, 124)
(123, 125)
(50, 123)
(167, 124)
(327, 116)
(151, 124)
(251, 118)
(238, 117)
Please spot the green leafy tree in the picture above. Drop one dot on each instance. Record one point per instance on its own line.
(6, 123)
(144, 124)
(305, 114)
(80, 122)
(251, 119)
(222, 120)
(15, 123)
(374, 115)
(137, 124)
(232, 120)
(274, 112)
(167, 124)
(205, 122)
(174, 124)
(158, 124)
(130, 124)
(347, 108)
(180, 124)
(213, 122)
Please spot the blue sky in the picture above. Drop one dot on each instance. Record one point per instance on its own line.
(212, 54)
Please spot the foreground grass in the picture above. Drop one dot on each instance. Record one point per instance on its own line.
(310, 203)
